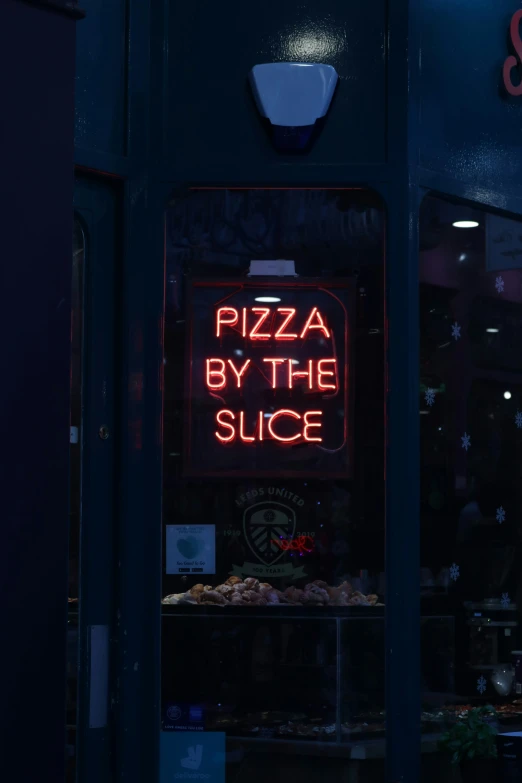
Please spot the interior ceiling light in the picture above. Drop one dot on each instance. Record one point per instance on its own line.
(267, 299)
(492, 330)
(507, 395)
(465, 224)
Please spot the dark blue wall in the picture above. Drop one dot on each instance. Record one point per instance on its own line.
(471, 130)
(210, 115)
(101, 78)
(202, 116)
(36, 138)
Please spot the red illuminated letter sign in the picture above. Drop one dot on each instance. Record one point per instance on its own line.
(276, 415)
(322, 369)
(221, 418)
(255, 334)
(226, 316)
(275, 362)
(216, 379)
(290, 314)
(300, 374)
(239, 373)
(512, 61)
(315, 321)
(310, 424)
(300, 377)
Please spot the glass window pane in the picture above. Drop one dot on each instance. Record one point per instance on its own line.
(273, 567)
(471, 492)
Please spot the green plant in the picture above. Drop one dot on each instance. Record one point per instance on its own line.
(472, 737)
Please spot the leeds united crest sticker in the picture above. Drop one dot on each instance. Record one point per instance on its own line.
(266, 523)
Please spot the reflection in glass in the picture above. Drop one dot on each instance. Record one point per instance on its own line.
(470, 399)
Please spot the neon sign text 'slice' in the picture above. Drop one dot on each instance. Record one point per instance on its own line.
(281, 324)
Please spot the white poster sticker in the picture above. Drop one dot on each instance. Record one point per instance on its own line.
(191, 549)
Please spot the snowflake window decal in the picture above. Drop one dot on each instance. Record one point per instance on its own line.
(466, 441)
(481, 684)
(429, 396)
(518, 420)
(455, 572)
(501, 515)
(499, 284)
(505, 600)
(455, 331)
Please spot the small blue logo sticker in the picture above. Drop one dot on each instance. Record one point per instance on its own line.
(183, 717)
(192, 756)
(174, 713)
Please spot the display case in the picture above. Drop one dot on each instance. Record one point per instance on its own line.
(279, 676)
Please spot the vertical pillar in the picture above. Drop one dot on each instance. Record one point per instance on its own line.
(402, 452)
(37, 43)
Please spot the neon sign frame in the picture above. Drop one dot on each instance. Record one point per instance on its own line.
(221, 372)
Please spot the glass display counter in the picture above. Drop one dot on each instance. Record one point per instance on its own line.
(313, 678)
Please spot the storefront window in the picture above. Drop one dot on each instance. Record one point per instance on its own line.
(471, 488)
(273, 565)
(75, 492)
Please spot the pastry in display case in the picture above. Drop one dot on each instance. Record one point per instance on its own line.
(252, 592)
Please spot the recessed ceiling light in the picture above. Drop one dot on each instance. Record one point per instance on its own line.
(267, 299)
(465, 224)
(492, 330)
(507, 395)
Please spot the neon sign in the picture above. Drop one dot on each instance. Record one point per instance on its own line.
(301, 544)
(268, 385)
(229, 316)
(514, 60)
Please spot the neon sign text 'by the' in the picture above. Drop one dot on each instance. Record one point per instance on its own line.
(318, 376)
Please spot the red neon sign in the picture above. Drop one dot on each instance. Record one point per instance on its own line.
(229, 317)
(301, 544)
(267, 384)
(513, 62)
(290, 315)
(217, 377)
(232, 426)
(225, 417)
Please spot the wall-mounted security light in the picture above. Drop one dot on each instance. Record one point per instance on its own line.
(293, 97)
